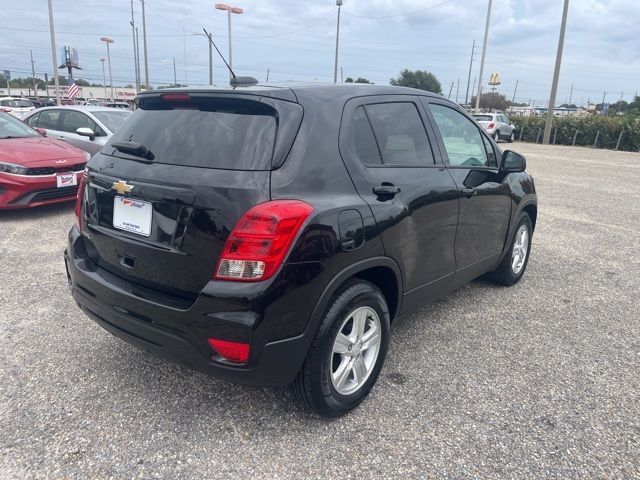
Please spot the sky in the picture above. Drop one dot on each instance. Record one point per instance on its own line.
(295, 40)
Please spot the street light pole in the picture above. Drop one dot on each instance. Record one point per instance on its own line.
(230, 10)
(53, 53)
(335, 67)
(144, 41)
(484, 53)
(104, 78)
(108, 41)
(556, 75)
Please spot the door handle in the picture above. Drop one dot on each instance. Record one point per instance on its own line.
(386, 190)
(469, 192)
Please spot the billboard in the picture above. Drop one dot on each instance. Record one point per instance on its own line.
(70, 57)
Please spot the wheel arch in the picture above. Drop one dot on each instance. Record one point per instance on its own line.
(531, 209)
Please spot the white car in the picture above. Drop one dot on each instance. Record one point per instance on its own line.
(18, 107)
(88, 128)
(497, 125)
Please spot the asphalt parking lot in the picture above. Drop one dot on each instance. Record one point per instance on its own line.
(538, 380)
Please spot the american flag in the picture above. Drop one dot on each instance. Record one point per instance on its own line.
(73, 89)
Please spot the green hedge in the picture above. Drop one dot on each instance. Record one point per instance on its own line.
(565, 128)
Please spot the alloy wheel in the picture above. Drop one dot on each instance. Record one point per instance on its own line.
(520, 249)
(355, 350)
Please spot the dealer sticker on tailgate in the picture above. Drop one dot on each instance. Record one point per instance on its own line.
(132, 215)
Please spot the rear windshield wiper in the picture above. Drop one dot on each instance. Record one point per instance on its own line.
(135, 149)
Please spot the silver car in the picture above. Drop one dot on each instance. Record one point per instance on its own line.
(497, 125)
(83, 126)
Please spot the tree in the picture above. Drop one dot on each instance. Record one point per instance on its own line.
(492, 101)
(357, 80)
(418, 79)
(82, 83)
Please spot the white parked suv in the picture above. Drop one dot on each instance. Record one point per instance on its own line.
(497, 125)
(16, 106)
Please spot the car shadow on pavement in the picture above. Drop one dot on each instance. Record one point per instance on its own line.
(37, 213)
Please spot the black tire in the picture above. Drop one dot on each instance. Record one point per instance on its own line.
(512, 137)
(313, 385)
(504, 274)
(496, 136)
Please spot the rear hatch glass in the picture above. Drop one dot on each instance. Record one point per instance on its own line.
(230, 134)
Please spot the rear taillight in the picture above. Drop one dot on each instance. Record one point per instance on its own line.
(490, 126)
(235, 352)
(261, 239)
(79, 199)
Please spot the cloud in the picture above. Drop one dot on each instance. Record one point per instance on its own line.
(296, 40)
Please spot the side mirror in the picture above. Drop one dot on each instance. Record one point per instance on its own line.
(513, 162)
(41, 131)
(86, 132)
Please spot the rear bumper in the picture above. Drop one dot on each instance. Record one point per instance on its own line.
(177, 329)
(32, 191)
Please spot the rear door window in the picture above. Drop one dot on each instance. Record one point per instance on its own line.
(231, 134)
(73, 120)
(400, 134)
(49, 119)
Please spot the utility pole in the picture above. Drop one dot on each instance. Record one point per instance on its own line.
(144, 41)
(513, 100)
(210, 60)
(451, 89)
(604, 95)
(135, 59)
(570, 95)
(457, 90)
(556, 75)
(341, 75)
(33, 75)
(335, 67)
(53, 53)
(474, 85)
(175, 79)
(484, 53)
(268, 69)
(473, 52)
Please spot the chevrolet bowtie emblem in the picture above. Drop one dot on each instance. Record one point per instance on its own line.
(121, 187)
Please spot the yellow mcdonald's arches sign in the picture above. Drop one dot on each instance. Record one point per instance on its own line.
(494, 79)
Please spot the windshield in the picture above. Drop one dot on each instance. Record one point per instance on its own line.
(225, 134)
(16, 103)
(112, 120)
(11, 127)
(483, 118)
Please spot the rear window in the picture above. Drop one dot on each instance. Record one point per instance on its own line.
(112, 120)
(483, 118)
(231, 134)
(16, 103)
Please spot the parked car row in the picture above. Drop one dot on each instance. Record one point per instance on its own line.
(34, 169)
(19, 106)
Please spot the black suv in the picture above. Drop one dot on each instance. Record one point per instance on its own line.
(270, 235)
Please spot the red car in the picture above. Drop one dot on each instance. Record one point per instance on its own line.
(35, 170)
